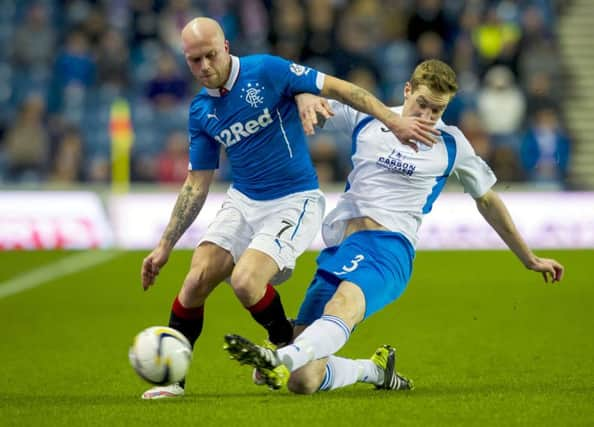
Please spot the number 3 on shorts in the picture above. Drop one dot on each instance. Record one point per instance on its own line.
(354, 264)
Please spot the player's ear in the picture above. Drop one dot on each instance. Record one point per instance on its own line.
(227, 46)
(407, 90)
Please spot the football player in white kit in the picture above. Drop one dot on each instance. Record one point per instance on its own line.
(371, 237)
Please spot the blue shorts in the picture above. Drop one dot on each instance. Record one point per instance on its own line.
(379, 262)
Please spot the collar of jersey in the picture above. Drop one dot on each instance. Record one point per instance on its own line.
(230, 81)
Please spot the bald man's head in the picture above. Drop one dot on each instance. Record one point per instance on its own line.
(200, 29)
(206, 51)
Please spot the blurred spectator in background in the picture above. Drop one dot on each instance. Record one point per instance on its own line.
(496, 38)
(167, 88)
(545, 149)
(472, 127)
(80, 54)
(319, 42)
(430, 45)
(428, 17)
(67, 160)
(34, 41)
(26, 142)
(253, 24)
(112, 60)
(326, 158)
(74, 72)
(539, 92)
(365, 78)
(288, 29)
(357, 36)
(501, 107)
(172, 164)
(172, 19)
(144, 25)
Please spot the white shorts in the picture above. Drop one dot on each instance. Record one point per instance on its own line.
(282, 228)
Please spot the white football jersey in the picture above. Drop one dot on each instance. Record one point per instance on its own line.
(391, 182)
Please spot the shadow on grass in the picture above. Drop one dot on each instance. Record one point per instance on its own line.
(286, 398)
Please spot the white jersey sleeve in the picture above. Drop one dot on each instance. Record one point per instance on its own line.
(473, 173)
(345, 118)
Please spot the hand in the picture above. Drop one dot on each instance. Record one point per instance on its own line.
(151, 266)
(313, 110)
(549, 269)
(411, 129)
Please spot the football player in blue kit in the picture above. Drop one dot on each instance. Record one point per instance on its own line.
(371, 237)
(274, 207)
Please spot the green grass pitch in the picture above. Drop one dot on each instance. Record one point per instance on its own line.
(487, 343)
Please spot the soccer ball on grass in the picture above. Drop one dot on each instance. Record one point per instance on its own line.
(160, 355)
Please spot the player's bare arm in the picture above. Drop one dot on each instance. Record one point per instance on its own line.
(405, 128)
(313, 111)
(189, 203)
(496, 214)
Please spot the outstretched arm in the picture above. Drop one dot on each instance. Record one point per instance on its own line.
(407, 129)
(189, 203)
(496, 214)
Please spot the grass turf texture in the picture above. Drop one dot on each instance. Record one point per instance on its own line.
(486, 342)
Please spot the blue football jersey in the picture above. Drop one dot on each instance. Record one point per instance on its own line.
(255, 118)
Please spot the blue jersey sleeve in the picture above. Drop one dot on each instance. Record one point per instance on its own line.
(204, 151)
(291, 78)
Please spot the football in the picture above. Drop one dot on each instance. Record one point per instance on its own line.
(160, 355)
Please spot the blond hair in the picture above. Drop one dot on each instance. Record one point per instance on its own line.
(436, 75)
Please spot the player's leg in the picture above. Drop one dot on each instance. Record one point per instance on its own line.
(270, 368)
(328, 334)
(210, 265)
(336, 372)
(283, 230)
(372, 268)
(309, 378)
(251, 283)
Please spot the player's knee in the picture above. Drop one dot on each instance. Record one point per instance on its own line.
(349, 314)
(339, 306)
(197, 285)
(244, 283)
(349, 308)
(303, 384)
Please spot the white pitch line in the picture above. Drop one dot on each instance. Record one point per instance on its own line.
(47, 273)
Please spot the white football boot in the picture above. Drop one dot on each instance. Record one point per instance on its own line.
(164, 392)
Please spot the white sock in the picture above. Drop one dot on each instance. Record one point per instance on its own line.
(341, 372)
(322, 338)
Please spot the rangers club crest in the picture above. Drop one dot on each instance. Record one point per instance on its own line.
(252, 94)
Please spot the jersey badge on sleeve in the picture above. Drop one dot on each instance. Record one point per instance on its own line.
(299, 70)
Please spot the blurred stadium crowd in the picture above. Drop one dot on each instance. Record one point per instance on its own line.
(64, 62)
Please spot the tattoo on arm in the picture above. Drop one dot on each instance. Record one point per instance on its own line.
(356, 97)
(361, 100)
(188, 205)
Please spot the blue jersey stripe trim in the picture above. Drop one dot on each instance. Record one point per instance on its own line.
(300, 218)
(354, 137)
(450, 144)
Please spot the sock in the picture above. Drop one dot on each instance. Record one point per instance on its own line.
(188, 321)
(341, 372)
(269, 313)
(322, 338)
